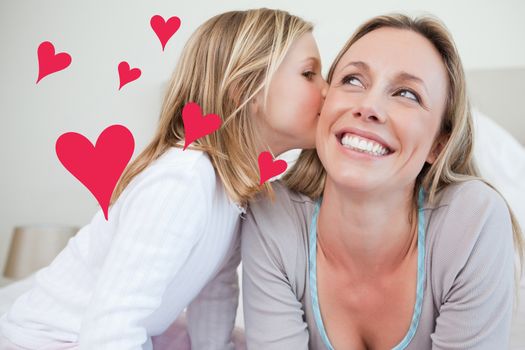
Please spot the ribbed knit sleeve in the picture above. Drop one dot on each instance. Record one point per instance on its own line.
(161, 220)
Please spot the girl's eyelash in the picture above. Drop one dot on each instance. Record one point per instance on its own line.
(347, 78)
(309, 74)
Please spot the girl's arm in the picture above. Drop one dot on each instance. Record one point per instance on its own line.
(161, 220)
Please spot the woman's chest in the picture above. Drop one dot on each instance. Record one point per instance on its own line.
(372, 315)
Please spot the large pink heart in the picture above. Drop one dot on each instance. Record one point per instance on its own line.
(99, 167)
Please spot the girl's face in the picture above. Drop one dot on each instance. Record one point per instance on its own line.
(295, 98)
(382, 111)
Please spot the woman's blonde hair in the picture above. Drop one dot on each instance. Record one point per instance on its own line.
(455, 162)
(224, 64)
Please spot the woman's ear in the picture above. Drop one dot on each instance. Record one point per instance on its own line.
(437, 148)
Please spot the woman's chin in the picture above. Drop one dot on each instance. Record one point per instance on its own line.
(354, 182)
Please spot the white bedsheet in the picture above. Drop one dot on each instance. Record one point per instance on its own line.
(9, 293)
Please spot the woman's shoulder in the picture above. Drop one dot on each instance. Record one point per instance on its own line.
(466, 206)
(281, 223)
(463, 210)
(476, 193)
(287, 212)
(283, 195)
(470, 221)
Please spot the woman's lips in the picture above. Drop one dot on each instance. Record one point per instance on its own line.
(360, 154)
(364, 135)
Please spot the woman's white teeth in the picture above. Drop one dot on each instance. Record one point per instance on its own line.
(363, 145)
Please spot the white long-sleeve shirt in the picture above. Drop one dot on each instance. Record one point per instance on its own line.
(172, 237)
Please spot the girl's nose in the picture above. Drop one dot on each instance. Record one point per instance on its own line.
(324, 88)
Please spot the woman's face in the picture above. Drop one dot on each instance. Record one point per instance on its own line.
(295, 98)
(382, 111)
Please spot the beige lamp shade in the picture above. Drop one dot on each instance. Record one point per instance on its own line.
(34, 247)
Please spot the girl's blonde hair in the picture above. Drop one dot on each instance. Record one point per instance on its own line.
(224, 64)
(455, 162)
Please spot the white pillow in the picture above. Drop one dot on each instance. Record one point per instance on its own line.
(501, 160)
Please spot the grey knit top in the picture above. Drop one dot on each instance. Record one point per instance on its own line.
(464, 297)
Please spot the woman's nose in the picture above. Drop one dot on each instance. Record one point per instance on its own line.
(368, 113)
(369, 109)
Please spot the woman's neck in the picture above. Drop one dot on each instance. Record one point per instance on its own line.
(366, 233)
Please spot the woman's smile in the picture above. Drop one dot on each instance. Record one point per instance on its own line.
(361, 144)
(360, 148)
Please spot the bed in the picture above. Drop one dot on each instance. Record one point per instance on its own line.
(499, 148)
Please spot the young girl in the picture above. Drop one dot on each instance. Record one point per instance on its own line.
(172, 238)
(395, 241)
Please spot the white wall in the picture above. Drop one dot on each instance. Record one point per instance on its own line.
(35, 188)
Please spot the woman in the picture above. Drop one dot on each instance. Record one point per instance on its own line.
(397, 243)
(171, 240)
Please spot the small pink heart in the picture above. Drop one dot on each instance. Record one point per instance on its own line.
(269, 168)
(197, 126)
(48, 62)
(164, 29)
(127, 75)
(99, 167)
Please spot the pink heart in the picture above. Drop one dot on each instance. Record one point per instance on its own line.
(269, 168)
(99, 167)
(164, 29)
(127, 75)
(48, 62)
(197, 126)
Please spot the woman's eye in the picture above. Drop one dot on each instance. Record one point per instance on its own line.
(309, 75)
(352, 80)
(409, 94)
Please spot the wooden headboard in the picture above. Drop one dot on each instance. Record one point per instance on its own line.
(499, 94)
